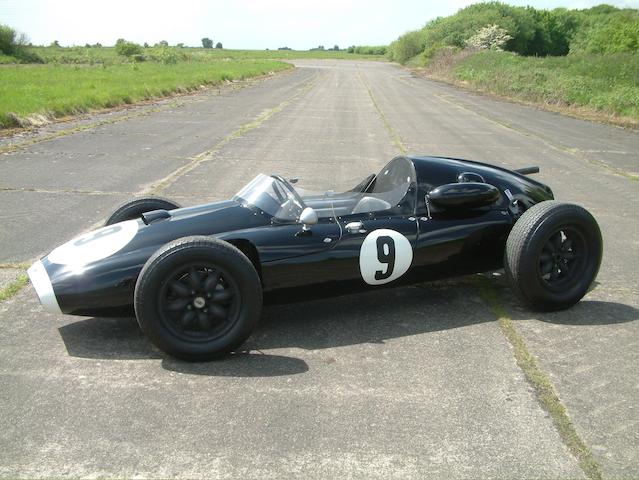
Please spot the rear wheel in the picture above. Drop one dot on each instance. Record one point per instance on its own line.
(553, 255)
(133, 209)
(198, 298)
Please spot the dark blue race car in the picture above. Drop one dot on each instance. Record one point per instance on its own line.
(196, 277)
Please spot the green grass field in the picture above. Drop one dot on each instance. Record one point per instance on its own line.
(78, 79)
(55, 90)
(604, 84)
(108, 55)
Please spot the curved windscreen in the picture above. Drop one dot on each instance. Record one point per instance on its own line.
(388, 192)
(272, 196)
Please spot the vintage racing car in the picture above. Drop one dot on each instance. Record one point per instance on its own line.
(195, 277)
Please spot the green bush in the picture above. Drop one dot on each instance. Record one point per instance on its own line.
(127, 49)
(613, 31)
(406, 46)
(368, 49)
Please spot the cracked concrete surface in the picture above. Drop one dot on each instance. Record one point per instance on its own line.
(418, 382)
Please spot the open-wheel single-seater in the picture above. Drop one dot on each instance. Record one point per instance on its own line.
(196, 277)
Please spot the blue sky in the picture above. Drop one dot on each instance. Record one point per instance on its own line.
(255, 24)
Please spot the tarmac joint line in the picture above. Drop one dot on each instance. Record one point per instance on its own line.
(241, 130)
(394, 135)
(543, 386)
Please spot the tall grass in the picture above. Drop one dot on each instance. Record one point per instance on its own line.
(57, 90)
(603, 83)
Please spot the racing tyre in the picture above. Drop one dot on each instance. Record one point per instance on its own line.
(133, 209)
(553, 255)
(198, 298)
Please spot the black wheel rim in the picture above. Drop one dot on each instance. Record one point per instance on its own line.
(563, 259)
(199, 302)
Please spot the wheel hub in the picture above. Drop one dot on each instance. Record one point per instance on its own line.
(199, 302)
(560, 261)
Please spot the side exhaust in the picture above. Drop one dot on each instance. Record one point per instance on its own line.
(527, 170)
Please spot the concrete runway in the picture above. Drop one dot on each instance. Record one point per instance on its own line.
(417, 383)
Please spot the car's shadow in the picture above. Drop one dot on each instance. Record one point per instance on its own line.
(340, 321)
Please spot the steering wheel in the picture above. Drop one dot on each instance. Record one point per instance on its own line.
(291, 189)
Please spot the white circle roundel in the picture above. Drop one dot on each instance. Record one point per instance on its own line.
(385, 256)
(95, 245)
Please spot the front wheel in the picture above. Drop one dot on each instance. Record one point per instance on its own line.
(553, 255)
(198, 298)
(133, 209)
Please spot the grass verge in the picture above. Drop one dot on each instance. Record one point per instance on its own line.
(543, 386)
(594, 87)
(14, 287)
(33, 93)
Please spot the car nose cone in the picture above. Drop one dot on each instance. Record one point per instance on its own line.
(42, 284)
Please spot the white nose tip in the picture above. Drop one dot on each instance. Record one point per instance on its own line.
(42, 284)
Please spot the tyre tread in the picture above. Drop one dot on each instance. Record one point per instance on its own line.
(523, 234)
(171, 248)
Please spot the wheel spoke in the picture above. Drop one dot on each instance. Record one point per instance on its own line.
(187, 318)
(556, 241)
(211, 281)
(218, 312)
(567, 245)
(179, 289)
(548, 249)
(222, 296)
(204, 321)
(178, 304)
(546, 267)
(554, 275)
(565, 269)
(545, 257)
(194, 279)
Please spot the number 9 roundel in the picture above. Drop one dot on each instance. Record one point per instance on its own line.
(385, 256)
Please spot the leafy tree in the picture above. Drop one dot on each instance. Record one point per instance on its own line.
(163, 43)
(7, 40)
(13, 43)
(146, 45)
(613, 31)
(180, 45)
(55, 43)
(283, 48)
(207, 42)
(491, 37)
(602, 29)
(218, 45)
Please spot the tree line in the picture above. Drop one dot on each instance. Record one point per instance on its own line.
(532, 32)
